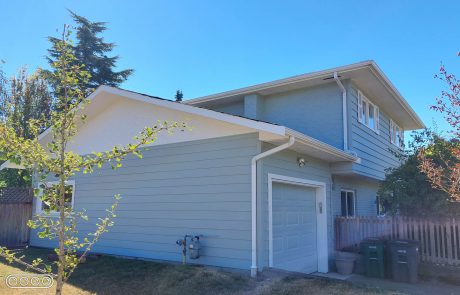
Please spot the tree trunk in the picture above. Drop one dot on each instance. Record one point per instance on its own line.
(59, 283)
(62, 191)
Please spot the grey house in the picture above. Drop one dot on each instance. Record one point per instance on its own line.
(261, 176)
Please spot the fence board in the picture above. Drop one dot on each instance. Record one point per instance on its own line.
(15, 211)
(454, 241)
(439, 238)
(13, 224)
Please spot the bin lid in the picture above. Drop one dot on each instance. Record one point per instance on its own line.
(401, 242)
(373, 241)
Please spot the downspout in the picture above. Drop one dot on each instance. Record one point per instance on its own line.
(344, 111)
(254, 197)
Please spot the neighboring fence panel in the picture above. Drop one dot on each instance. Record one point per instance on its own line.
(15, 211)
(439, 238)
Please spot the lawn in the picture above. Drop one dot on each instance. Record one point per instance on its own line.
(110, 275)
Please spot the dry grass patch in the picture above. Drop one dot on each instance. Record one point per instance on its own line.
(308, 286)
(110, 275)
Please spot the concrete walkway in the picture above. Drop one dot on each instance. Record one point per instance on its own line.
(432, 287)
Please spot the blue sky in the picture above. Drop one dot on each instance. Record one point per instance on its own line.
(203, 47)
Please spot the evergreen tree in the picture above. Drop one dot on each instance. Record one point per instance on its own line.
(179, 95)
(92, 51)
(23, 98)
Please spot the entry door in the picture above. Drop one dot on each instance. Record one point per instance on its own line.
(294, 228)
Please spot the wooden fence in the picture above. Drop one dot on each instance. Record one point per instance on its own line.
(15, 211)
(439, 238)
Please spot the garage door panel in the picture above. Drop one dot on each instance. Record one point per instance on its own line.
(292, 218)
(294, 228)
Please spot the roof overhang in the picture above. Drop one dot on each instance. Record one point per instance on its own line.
(367, 76)
(267, 132)
(312, 147)
(271, 133)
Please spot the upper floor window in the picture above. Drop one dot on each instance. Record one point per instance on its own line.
(368, 113)
(396, 135)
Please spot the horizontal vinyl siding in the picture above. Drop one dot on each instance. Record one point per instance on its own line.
(201, 187)
(285, 163)
(375, 150)
(315, 111)
(233, 108)
(365, 193)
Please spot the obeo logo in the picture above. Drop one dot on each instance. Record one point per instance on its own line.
(29, 281)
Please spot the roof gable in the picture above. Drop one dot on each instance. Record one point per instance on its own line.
(366, 75)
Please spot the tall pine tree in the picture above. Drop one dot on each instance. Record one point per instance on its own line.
(179, 96)
(92, 51)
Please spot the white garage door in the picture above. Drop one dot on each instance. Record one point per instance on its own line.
(294, 228)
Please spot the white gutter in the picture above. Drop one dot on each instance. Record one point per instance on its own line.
(344, 111)
(254, 197)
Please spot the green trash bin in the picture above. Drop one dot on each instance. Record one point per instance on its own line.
(373, 250)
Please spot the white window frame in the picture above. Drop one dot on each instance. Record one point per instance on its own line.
(346, 200)
(381, 210)
(362, 99)
(396, 134)
(38, 208)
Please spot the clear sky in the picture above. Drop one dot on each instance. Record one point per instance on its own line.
(204, 47)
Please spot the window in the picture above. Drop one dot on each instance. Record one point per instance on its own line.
(51, 205)
(368, 113)
(348, 203)
(382, 206)
(396, 135)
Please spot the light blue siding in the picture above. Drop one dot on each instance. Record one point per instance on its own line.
(233, 108)
(199, 187)
(252, 106)
(365, 194)
(314, 111)
(375, 150)
(285, 163)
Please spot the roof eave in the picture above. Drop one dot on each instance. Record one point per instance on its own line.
(397, 95)
(329, 149)
(417, 122)
(277, 83)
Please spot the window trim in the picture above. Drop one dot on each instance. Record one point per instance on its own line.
(392, 132)
(381, 209)
(362, 98)
(354, 202)
(38, 208)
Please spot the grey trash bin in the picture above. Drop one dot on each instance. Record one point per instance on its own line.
(404, 260)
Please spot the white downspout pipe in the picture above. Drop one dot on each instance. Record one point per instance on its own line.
(344, 111)
(254, 197)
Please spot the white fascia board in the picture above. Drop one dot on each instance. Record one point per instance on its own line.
(10, 165)
(91, 97)
(302, 138)
(397, 95)
(315, 75)
(278, 83)
(261, 126)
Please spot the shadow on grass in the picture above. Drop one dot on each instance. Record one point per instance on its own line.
(110, 275)
(306, 286)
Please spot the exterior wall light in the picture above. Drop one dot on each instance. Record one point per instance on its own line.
(301, 162)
